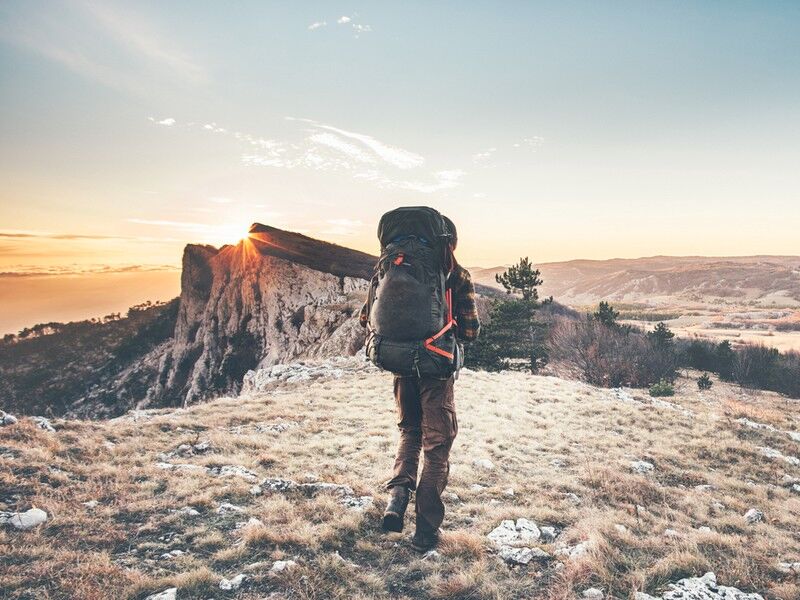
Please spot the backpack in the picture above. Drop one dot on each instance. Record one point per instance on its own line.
(410, 327)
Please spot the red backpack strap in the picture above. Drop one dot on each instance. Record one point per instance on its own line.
(450, 322)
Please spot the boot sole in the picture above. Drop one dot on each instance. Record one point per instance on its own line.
(392, 522)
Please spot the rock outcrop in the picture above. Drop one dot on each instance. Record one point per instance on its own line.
(274, 297)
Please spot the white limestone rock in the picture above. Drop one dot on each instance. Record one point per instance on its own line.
(28, 519)
(641, 466)
(509, 533)
(167, 594)
(753, 515)
(232, 584)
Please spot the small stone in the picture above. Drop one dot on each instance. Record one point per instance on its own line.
(232, 584)
(431, 555)
(43, 423)
(28, 519)
(753, 516)
(593, 593)
(548, 534)
(573, 498)
(558, 463)
(279, 566)
(641, 466)
(574, 552)
(620, 528)
(253, 522)
(171, 554)
(672, 533)
(704, 529)
(789, 567)
(704, 487)
(643, 596)
(227, 507)
(483, 463)
(204, 446)
(189, 511)
(7, 419)
(796, 488)
(521, 556)
(477, 487)
(310, 477)
(358, 503)
(451, 497)
(167, 594)
(91, 504)
(508, 492)
(256, 490)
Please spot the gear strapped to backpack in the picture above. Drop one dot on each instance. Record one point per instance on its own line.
(410, 329)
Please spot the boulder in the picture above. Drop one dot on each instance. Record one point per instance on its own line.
(700, 588)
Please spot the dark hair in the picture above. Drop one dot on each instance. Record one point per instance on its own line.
(451, 228)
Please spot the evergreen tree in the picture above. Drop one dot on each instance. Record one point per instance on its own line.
(521, 278)
(661, 336)
(725, 360)
(513, 338)
(606, 314)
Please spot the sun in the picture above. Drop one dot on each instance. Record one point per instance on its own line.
(228, 232)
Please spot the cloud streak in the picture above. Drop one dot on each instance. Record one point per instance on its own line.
(324, 147)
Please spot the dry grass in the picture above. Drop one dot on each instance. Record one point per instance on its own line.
(343, 431)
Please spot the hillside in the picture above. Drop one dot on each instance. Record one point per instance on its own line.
(60, 366)
(670, 280)
(626, 493)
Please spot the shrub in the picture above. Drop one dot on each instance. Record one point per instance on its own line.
(611, 356)
(704, 382)
(662, 388)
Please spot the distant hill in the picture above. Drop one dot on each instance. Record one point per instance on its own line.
(760, 280)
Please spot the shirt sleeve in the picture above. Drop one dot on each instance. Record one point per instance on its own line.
(466, 310)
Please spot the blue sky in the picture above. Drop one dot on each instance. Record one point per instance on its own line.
(554, 130)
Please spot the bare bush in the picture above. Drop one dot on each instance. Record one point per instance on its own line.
(610, 356)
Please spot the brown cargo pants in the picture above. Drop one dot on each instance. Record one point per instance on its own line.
(427, 421)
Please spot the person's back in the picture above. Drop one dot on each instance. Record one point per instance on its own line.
(426, 406)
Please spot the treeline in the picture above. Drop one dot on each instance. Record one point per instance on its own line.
(520, 332)
(50, 328)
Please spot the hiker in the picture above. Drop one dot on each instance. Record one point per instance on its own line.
(417, 335)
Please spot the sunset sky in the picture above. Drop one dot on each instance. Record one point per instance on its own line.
(554, 130)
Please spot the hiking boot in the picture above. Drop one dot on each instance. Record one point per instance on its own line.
(425, 539)
(396, 509)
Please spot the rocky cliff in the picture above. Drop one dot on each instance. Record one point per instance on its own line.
(273, 297)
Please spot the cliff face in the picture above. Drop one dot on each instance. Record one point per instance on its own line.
(274, 297)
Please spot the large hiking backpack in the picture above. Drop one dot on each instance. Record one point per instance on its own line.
(410, 329)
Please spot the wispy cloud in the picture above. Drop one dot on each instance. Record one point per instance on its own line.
(323, 147)
(21, 234)
(56, 270)
(347, 21)
(105, 43)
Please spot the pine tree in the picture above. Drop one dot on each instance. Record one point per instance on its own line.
(521, 278)
(606, 315)
(661, 336)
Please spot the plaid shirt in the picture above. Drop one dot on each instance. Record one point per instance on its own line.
(465, 311)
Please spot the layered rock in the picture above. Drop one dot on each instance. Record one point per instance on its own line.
(275, 297)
